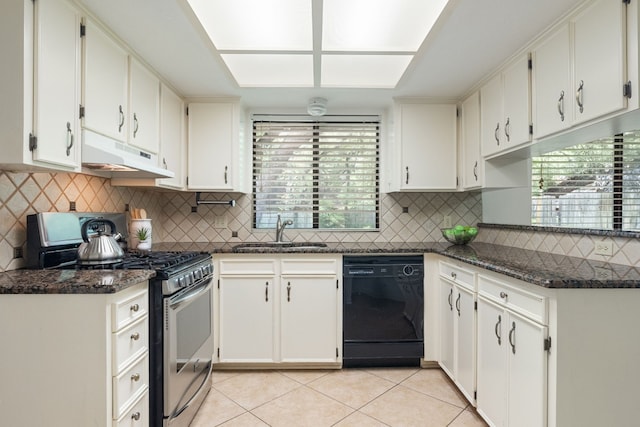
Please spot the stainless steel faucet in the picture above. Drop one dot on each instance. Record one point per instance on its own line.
(280, 228)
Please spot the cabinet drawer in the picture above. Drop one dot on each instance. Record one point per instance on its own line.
(130, 343)
(519, 300)
(130, 385)
(248, 267)
(458, 275)
(137, 415)
(129, 309)
(310, 266)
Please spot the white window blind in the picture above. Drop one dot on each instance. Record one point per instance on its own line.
(594, 185)
(320, 175)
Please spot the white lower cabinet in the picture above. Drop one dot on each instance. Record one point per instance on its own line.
(512, 355)
(82, 360)
(279, 309)
(458, 327)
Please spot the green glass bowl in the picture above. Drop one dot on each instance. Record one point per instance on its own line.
(458, 237)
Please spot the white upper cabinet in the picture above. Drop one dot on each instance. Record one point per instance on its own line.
(213, 162)
(426, 143)
(553, 93)
(40, 85)
(472, 162)
(105, 93)
(144, 108)
(579, 69)
(57, 83)
(599, 59)
(505, 103)
(172, 138)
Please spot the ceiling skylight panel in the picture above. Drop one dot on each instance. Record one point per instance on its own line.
(277, 25)
(356, 70)
(272, 70)
(378, 25)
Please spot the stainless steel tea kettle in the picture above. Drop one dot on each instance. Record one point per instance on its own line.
(102, 248)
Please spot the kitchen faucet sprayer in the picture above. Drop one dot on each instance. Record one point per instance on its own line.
(280, 228)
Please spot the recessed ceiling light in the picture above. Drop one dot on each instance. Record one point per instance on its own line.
(271, 43)
(262, 70)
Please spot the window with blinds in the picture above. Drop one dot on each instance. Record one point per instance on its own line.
(594, 185)
(320, 175)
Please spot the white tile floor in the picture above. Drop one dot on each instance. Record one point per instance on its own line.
(377, 397)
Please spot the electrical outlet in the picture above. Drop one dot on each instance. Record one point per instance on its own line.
(603, 273)
(220, 221)
(603, 247)
(17, 252)
(447, 221)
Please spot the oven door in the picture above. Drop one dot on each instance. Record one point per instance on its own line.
(188, 352)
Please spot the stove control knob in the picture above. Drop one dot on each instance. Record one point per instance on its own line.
(181, 281)
(197, 274)
(190, 278)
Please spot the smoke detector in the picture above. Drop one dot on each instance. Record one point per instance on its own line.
(317, 107)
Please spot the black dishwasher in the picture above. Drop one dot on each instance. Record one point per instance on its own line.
(383, 310)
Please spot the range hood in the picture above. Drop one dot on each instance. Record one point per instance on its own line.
(103, 154)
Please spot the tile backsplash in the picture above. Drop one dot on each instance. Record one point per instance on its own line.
(173, 220)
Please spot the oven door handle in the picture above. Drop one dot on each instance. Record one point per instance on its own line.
(195, 396)
(192, 293)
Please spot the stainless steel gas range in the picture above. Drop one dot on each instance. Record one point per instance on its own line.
(180, 309)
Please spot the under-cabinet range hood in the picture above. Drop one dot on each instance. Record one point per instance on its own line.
(103, 154)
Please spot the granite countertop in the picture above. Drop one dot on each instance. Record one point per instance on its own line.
(539, 268)
(70, 281)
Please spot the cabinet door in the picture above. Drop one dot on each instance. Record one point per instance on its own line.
(491, 136)
(213, 134)
(246, 319)
(428, 144)
(465, 315)
(57, 83)
(172, 138)
(446, 305)
(308, 319)
(599, 59)
(553, 97)
(144, 109)
(527, 372)
(105, 85)
(492, 363)
(516, 103)
(472, 168)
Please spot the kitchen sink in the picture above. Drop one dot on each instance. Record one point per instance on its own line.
(284, 246)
